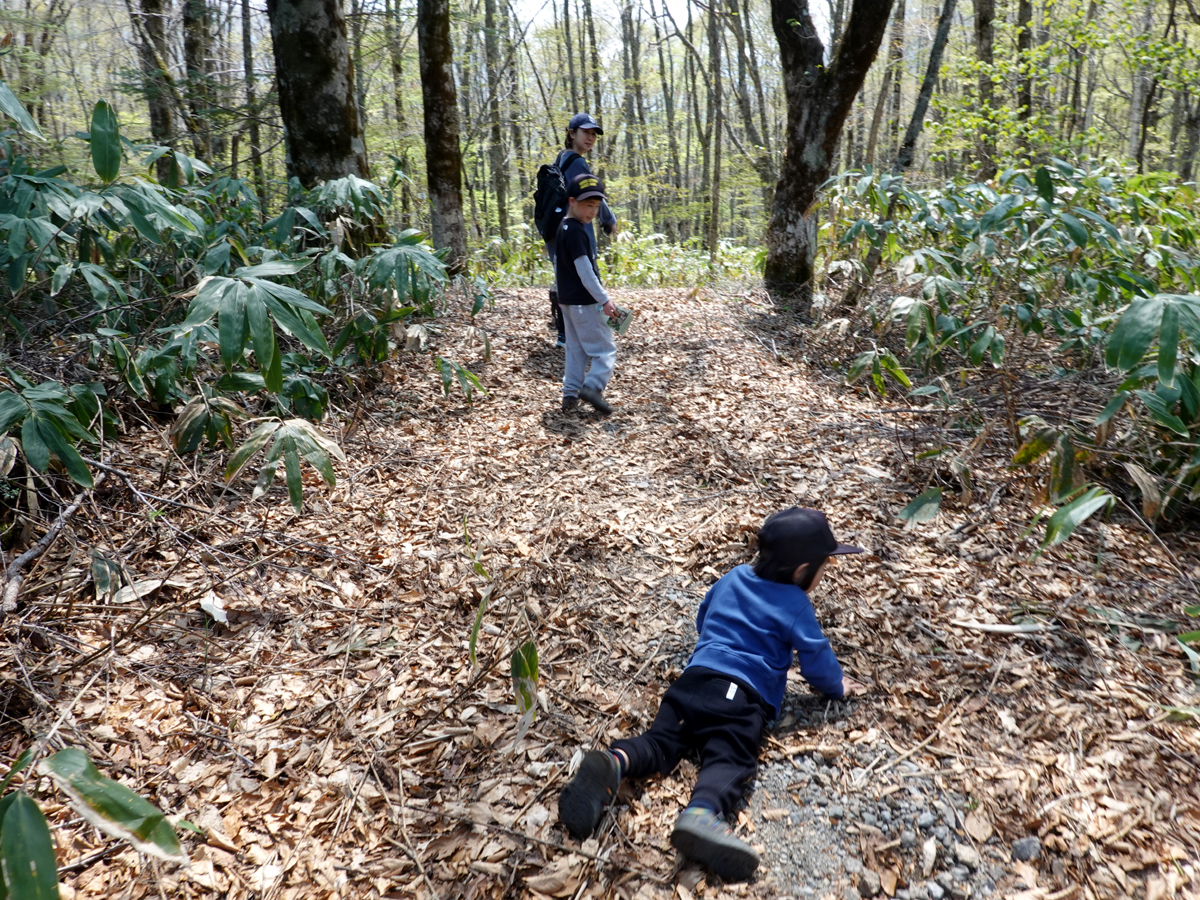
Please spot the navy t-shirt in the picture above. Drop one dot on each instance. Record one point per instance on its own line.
(573, 242)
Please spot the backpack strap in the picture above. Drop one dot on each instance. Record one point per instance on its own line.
(565, 159)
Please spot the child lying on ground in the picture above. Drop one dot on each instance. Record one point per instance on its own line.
(750, 623)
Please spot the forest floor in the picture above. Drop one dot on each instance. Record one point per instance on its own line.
(334, 739)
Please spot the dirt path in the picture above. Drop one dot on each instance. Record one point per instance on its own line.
(344, 673)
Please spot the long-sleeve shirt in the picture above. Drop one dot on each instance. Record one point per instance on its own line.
(749, 628)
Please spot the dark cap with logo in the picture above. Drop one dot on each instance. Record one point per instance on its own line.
(586, 186)
(799, 535)
(584, 120)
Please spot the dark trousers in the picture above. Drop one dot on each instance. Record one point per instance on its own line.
(556, 312)
(697, 712)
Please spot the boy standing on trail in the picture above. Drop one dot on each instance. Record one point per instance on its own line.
(591, 347)
(750, 623)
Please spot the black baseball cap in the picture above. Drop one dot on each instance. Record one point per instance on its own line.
(585, 186)
(799, 535)
(584, 120)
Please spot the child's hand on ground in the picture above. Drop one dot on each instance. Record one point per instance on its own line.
(851, 688)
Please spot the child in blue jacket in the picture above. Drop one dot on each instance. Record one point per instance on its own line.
(750, 623)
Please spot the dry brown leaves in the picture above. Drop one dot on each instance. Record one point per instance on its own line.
(333, 739)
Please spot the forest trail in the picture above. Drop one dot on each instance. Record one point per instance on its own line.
(343, 672)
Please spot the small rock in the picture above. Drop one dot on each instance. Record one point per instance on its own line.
(836, 812)
(935, 890)
(869, 884)
(960, 873)
(987, 886)
(928, 856)
(945, 879)
(967, 855)
(869, 819)
(943, 833)
(854, 866)
(1026, 849)
(908, 839)
(926, 819)
(851, 893)
(902, 894)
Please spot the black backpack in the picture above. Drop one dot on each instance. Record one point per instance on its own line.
(550, 197)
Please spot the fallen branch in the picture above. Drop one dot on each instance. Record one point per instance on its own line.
(16, 576)
(992, 628)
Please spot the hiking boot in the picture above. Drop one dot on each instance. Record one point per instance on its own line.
(596, 399)
(593, 788)
(569, 403)
(701, 835)
(561, 343)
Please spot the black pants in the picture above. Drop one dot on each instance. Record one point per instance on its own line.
(697, 712)
(556, 312)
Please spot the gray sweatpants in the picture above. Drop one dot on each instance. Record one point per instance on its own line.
(591, 349)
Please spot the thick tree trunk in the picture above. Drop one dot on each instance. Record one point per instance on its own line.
(570, 44)
(152, 48)
(443, 155)
(1024, 69)
(1192, 129)
(818, 99)
(498, 154)
(985, 147)
(196, 49)
(322, 133)
(594, 49)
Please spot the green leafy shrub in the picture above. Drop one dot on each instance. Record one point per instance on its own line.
(1099, 264)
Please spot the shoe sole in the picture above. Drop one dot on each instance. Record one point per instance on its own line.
(729, 859)
(581, 805)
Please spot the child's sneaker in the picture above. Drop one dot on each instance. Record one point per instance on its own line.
(701, 835)
(596, 399)
(592, 789)
(561, 343)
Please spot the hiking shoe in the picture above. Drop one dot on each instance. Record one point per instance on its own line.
(561, 343)
(569, 403)
(596, 399)
(593, 788)
(704, 837)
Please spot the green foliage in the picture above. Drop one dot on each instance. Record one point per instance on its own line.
(113, 264)
(924, 508)
(1103, 262)
(28, 866)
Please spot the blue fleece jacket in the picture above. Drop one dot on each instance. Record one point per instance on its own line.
(748, 629)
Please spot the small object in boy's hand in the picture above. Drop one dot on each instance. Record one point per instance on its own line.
(620, 322)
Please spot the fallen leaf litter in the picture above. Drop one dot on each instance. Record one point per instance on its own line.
(333, 740)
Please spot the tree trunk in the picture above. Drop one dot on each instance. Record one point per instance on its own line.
(499, 155)
(628, 120)
(763, 163)
(196, 49)
(985, 147)
(1024, 70)
(443, 156)
(153, 51)
(818, 99)
(716, 77)
(667, 75)
(904, 158)
(252, 111)
(594, 47)
(877, 116)
(566, 20)
(391, 33)
(896, 66)
(357, 26)
(1192, 129)
(322, 134)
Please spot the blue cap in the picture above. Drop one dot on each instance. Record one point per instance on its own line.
(584, 120)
